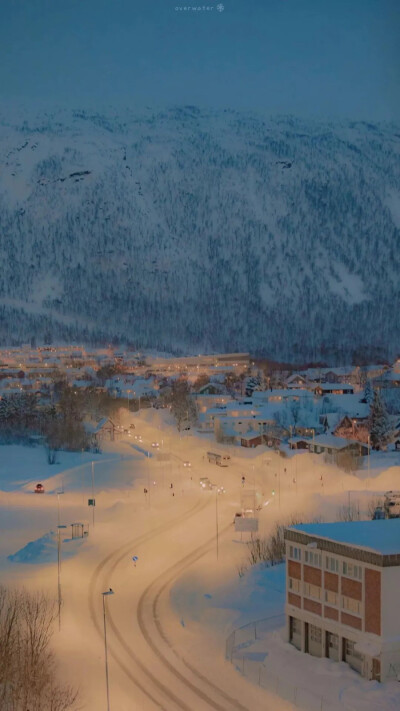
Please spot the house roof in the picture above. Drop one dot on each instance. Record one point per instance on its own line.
(382, 536)
(349, 404)
(334, 386)
(252, 434)
(95, 427)
(329, 440)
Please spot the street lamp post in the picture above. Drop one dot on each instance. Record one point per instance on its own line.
(218, 490)
(59, 493)
(59, 528)
(108, 592)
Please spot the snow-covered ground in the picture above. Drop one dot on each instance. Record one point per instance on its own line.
(173, 610)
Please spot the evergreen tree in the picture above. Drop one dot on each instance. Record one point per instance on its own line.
(379, 423)
(368, 393)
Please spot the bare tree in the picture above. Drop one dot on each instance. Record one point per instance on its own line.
(349, 512)
(28, 678)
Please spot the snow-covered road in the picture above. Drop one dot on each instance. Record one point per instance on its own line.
(166, 648)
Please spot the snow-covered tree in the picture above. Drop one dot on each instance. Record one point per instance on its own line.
(182, 405)
(379, 423)
(368, 393)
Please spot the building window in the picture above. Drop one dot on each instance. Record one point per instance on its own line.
(350, 570)
(313, 558)
(332, 564)
(295, 553)
(351, 605)
(315, 634)
(294, 585)
(331, 597)
(312, 591)
(296, 626)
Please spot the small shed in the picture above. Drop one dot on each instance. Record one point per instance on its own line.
(298, 443)
(250, 439)
(98, 431)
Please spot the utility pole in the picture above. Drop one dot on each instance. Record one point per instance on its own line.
(93, 500)
(108, 592)
(216, 517)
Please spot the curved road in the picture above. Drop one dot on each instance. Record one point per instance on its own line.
(166, 678)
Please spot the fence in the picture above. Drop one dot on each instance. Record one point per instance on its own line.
(252, 666)
(244, 636)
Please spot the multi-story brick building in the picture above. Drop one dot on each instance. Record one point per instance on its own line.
(343, 593)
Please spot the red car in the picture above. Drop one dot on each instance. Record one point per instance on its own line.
(39, 489)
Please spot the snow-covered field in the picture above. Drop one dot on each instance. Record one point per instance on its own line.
(173, 610)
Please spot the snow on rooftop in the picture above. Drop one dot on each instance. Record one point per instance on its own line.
(380, 536)
(330, 440)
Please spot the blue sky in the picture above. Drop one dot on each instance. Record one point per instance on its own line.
(307, 57)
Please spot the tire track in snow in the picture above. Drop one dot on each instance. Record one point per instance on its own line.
(165, 579)
(119, 554)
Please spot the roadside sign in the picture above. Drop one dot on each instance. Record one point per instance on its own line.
(244, 524)
(91, 502)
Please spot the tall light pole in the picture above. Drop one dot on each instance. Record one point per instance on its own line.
(59, 493)
(218, 490)
(108, 592)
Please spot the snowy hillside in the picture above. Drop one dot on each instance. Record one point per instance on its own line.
(197, 231)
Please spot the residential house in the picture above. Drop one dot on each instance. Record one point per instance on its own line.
(251, 439)
(100, 431)
(298, 443)
(355, 427)
(333, 389)
(389, 379)
(296, 381)
(331, 446)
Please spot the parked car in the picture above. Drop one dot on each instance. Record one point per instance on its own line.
(39, 489)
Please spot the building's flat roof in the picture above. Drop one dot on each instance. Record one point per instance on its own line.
(381, 536)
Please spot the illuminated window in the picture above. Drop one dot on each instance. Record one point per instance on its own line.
(313, 591)
(294, 585)
(331, 597)
(351, 605)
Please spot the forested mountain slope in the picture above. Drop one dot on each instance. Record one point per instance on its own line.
(189, 230)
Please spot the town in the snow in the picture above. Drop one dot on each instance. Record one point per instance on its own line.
(200, 532)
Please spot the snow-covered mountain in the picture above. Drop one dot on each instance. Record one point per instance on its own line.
(201, 231)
